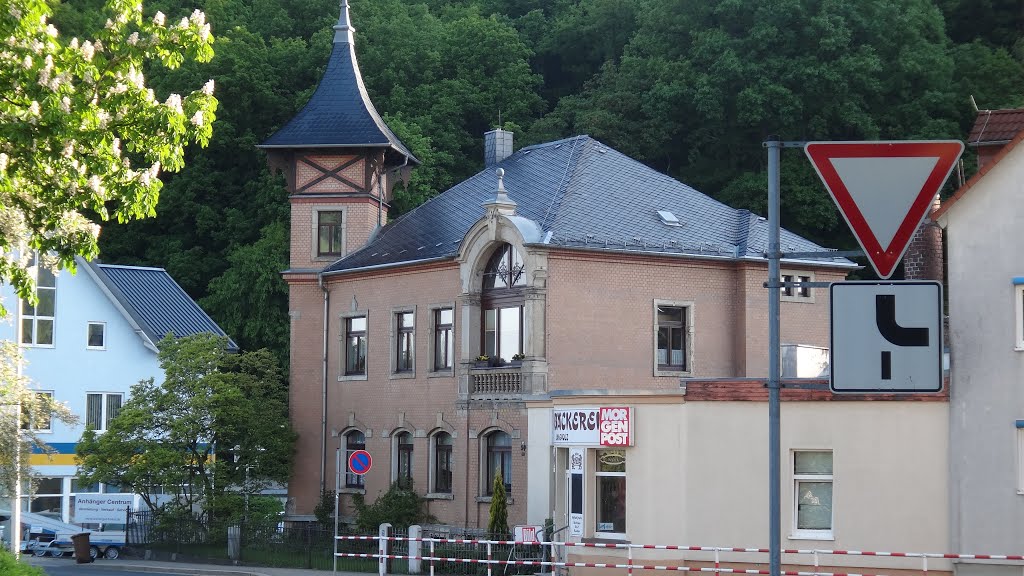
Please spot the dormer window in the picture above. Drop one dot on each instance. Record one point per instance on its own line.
(502, 302)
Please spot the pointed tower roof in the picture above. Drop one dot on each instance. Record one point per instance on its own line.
(339, 114)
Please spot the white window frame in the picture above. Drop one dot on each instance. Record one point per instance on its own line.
(48, 429)
(688, 316)
(344, 317)
(595, 459)
(315, 210)
(432, 491)
(804, 534)
(104, 417)
(433, 371)
(1018, 308)
(805, 295)
(89, 325)
(396, 312)
(35, 317)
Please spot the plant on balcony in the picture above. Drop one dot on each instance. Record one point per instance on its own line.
(483, 361)
(518, 356)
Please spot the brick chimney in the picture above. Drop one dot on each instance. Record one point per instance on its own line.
(923, 260)
(497, 146)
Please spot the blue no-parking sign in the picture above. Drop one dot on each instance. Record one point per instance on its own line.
(359, 462)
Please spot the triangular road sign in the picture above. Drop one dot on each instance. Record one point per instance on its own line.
(884, 189)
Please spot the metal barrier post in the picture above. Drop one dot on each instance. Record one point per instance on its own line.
(432, 557)
(718, 564)
(629, 560)
(382, 548)
(924, 558)
(488, 558)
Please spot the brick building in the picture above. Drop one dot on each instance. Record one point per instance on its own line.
(592, 284)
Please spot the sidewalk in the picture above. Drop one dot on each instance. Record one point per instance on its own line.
(191, 569)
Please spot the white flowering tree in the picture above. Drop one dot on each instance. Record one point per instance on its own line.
(82, 139)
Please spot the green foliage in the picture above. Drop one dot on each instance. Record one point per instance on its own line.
(218, 423)
(22, 406)
(400, 505)
(9, 566)
(81, 134)
(324, 509)
(497, 523)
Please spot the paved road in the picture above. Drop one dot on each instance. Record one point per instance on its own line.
(74, 570)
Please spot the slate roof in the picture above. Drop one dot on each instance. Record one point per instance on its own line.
(340, 113)
(584, 195)
(996, 126)
(155, 302)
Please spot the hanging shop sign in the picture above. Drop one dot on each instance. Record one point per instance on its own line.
(602, 426)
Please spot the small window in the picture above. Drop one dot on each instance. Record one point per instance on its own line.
(404, 341)
(100, 409)
(37, 321)
(96, 337)
(403, 458)
(611, 491)
(354, 440)
(355, 346)
(42, 421)
(503, 332)
(330, 229)
(499, 458)
(672, 333)
(442, 463)
(812, 495)
(48, 498)
(1020, 456)
(80, 487)
(444, 345)
(1018, 297)
(801, 293)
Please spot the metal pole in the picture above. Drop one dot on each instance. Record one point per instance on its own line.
(774, 254)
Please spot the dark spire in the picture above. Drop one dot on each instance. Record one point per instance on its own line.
(340, 113)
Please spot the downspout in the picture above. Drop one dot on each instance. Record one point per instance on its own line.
(323, 384)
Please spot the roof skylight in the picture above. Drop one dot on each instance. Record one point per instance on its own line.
(668, 218)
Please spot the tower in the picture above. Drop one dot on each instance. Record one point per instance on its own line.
(340, 161)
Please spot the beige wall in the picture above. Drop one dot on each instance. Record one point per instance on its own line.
(696, 475)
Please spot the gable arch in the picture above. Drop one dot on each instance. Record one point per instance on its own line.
(486, 235)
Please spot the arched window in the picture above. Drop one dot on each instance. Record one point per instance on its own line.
(502, 304)
(442, 463)
(499, 458)
(403, 458)
(354, 440)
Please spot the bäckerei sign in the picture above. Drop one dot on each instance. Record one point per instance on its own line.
(602, 426)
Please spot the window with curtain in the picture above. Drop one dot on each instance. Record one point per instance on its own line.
(444, 345)
(499, 457)
(404, 338)
(672, 332)
(330, 231)
(442, 463)
(355, 345)
(354, 440)
(403, 455)
(812, 480)
(101, 408)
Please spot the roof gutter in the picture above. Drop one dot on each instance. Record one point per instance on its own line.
(386, 266)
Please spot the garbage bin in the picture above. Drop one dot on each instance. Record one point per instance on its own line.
(81, 542)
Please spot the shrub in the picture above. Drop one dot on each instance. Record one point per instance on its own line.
(324, 510)
(9, 566)
(400, 506)
(497, 525)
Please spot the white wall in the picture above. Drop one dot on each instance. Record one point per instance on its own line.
(983, 234)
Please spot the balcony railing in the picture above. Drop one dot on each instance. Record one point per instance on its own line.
(489, 382)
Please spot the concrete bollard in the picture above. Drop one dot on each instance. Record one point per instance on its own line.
(415, 547)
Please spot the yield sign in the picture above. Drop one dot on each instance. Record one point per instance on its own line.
(884, 189)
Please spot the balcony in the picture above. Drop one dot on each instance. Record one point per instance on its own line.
(500, 382)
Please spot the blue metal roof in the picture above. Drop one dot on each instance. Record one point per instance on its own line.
(583, 194)
(340, 113)
(156, 302)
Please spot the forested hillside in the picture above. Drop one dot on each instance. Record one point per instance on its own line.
(689, 87)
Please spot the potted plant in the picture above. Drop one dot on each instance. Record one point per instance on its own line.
(482, 361)
(517, 359)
